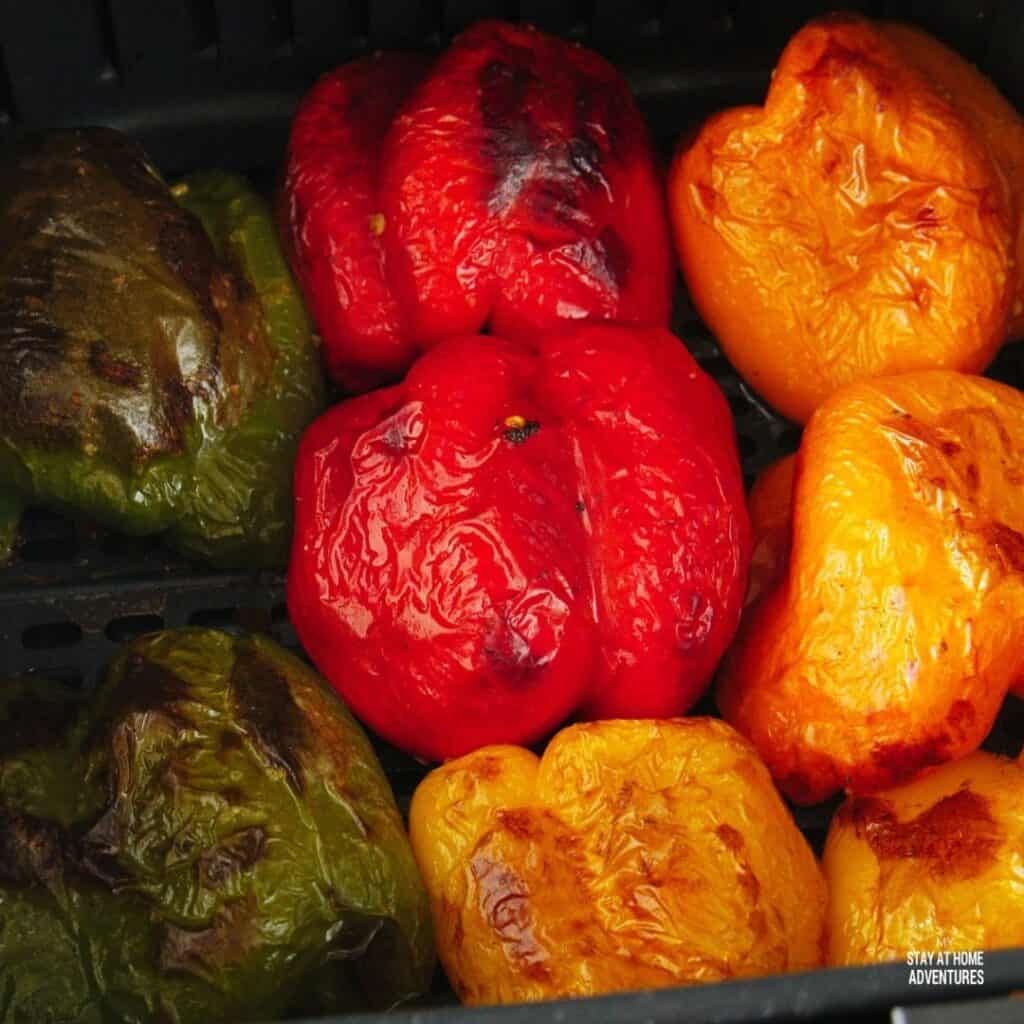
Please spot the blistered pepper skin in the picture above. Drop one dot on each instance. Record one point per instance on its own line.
(513, 187)
(632, 855)
(513, 534)
(331, 215)
(861, 223)
(889, 632)
(932, 866)
(207, 837)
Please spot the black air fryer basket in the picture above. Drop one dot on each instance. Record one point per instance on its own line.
(205, 83)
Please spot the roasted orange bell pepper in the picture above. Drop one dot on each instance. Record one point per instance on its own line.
(863, 222)
(633, 854)
(931, 866)
(891, 622)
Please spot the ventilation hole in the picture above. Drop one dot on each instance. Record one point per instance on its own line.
(127, 627)
(213, 617)
(49, 635)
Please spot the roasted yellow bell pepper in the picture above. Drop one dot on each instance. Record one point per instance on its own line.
(931, 866)
(632, 855)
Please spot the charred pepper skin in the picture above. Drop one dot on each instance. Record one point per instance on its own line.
(888, 585)
(513, 187)
(514, 534)
(213, 827)
(156, 363)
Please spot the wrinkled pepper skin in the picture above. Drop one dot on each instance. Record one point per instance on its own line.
(632, 855)
(891, 620)
(932, 866)
(213, 828)
(512, 187)
(156, 363)
(863, 222)
(514, 534)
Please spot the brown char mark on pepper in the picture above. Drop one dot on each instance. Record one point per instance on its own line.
(31, 343)
(108, 367)
(233, 856)
(187, 250)
(37, 853)
(508, 142)
(145, 687)
(956, 837)
(267, 711)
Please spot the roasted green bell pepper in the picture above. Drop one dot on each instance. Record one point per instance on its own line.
(156, 362)
(207, 838)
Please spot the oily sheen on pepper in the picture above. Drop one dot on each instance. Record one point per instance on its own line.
(517, 533)
(889, 572)
(864, 221)
(632, 855)
(932, 866)
(512, 185)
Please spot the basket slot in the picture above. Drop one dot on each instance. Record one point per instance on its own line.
(127, 627)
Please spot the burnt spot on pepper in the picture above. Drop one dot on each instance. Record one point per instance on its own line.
(504, 903)
(1005, 544)
(518, 429)
(236, 854)
(508, 143)
(34, 852)
(228, 939)
(267, 711)
(186, 248)
(108, 367)
(145, 687)
(957, 836)
(901, 761)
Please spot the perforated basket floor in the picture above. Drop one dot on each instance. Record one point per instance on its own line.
(214, 82)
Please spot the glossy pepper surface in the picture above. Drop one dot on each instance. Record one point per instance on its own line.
(156, 363)
(514, 533)
(890, 623)
(865, 221)
(632, 855)
(209, 837)
(512, 185)
(932, 866)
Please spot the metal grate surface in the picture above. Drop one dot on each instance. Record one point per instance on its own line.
(205, 82)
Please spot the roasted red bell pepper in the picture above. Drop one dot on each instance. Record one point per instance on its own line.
(512, 185)
(516, 533)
